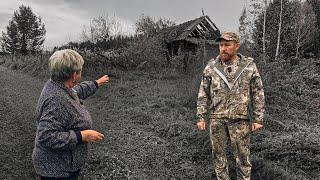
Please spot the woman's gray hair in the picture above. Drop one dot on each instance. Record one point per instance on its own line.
(63, 63)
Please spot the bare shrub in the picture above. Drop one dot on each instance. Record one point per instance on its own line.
(146, 53)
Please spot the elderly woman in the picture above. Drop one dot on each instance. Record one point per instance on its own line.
(64, 125)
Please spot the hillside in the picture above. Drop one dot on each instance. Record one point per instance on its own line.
(149, 122)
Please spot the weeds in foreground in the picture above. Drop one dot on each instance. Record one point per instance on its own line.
(150, 119)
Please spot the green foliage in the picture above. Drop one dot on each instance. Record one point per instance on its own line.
(25, 32)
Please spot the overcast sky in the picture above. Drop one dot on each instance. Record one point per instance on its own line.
(64, 19)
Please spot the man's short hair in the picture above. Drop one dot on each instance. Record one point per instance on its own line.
(228, 36)
(63, 63)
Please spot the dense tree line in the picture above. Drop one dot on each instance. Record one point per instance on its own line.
(114, 42)
(105, 32)
(282, 28)
(316, 9)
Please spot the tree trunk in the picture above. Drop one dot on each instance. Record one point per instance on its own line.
(300, 22)
(279, 30)
(298, 41)
(264, 31)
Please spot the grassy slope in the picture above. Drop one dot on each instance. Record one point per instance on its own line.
(292, 119)
(18, 95)
(148, 120)
(149, 128)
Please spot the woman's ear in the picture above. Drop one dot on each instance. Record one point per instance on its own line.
(74, 77)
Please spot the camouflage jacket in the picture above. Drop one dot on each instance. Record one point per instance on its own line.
(231, 97)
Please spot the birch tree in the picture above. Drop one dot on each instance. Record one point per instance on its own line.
(101, 29)
(264, 30)
(279, 30)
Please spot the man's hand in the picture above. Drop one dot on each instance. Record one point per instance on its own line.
(256, 126)
(91, 136)
(103, 80)
(201, 124)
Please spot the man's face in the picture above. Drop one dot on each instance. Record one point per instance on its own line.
(228, 49)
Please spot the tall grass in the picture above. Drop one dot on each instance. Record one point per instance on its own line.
(162, 103)
(36, 65)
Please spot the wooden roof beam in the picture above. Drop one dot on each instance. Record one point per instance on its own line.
(193, 34)
(200, 31)
(203, 29)
(197, 33)
(212, 24)
(209, 27)
(204, 26)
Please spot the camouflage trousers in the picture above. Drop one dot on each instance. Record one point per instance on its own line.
(237, 132)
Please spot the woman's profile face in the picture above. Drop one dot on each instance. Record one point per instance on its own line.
(76, 77)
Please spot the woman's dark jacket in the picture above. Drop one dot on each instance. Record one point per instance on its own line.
(61, 116)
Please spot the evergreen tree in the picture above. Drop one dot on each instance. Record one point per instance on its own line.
(244, 26)
(11, 39)
(25, 32)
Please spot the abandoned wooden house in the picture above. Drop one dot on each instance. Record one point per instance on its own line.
(189, 36)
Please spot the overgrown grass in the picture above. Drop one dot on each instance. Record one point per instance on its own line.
(35, 65)
(292, 101)
(148, 118)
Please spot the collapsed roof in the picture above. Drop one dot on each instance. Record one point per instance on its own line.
(194, 31)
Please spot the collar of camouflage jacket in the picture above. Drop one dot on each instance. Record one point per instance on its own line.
(243, 63)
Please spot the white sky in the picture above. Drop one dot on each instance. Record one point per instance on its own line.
(64, 19)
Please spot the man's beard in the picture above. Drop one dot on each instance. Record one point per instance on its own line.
(225, 56)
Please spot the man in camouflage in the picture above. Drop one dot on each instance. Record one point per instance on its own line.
(231, 84)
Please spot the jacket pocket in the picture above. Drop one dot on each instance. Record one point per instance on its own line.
(65, 159)
(219, 102)
(71, 158)
(240, 106)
